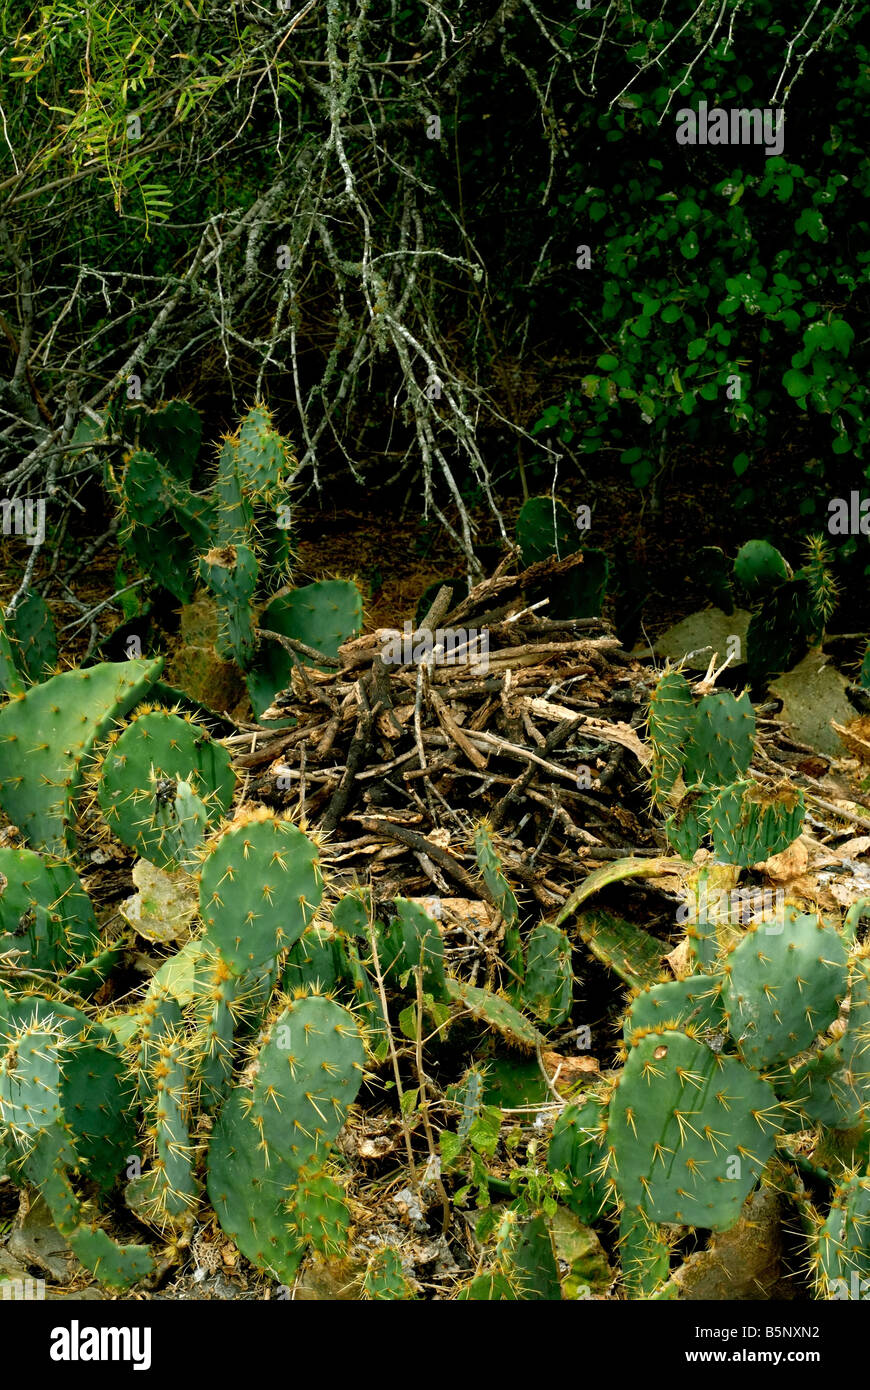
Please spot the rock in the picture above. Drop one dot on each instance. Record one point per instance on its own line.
(813, 693)
(740, 1264)
(35, 1243)
(704, 632)
(331, 1279)
(17, 1284)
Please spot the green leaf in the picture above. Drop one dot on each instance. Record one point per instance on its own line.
(450, 1145)
(689, 245)
(842, 335)
(810, 222)
(796, 383)
(740, 464)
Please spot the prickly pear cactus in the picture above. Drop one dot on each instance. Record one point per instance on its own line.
(33, 641)
(689, 1130)
(490, 867)
(412, 941)
(548, 988)
(491, 1008)
(545, 527)
(323, 616)
(319, 1214)
(842, 1247)
(670, 725)
(169, 1116)
(645, 1254)
(759, 565)
(309, 1069)
(577, 1158)
(46, 917)
(50, 731)
(385, 1278)
(139, 778)
(723, 736)
(230, 573)
(259, 888)
(695, 1000)
(750, 824)
(783, 985)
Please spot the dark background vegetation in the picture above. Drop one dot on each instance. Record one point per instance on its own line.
(278, 223)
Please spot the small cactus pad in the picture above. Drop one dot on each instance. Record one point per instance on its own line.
(322, 615)
(548, 988)
(576, 1158)
(843, 1242)
(230, 572)
(249, 1192)
(783, 985)
(31, 630)
(670, 726)
(309, 1071)
(259, 889)
(497, 1012)
(263, 458)
(689, 1131)
(385, 1278)
(695, 1001)
(545, 527)
(170, 1116)
(634, 955)
(49, 732)
(750, 824)
(45, 914)
(412, 940)
(644, 1253)
(319, 1214)
(491, 869)
(139, 779)
(723, 737)
(759, 565)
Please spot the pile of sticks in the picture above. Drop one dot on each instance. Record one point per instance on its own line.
(396, 761)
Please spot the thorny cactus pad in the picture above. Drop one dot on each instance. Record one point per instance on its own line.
(695, 1000)
(749, 824)
(309, 1070)
(259, 888)
(723, 736)
(670, 725)
(689, 1131)
(46, 917)
(843, 1241)
(548, 988)
(783, 987)
(577, 1158)
(139, 777)
(47, 735)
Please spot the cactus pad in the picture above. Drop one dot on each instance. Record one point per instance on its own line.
(783, 987)
(259, 888)
(138, 789)
(50, 731)
(689, 1131)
